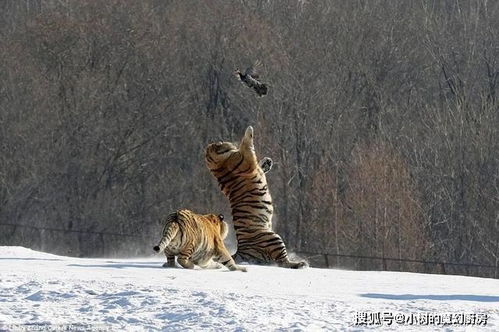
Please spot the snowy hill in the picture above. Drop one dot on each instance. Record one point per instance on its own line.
(137, 294)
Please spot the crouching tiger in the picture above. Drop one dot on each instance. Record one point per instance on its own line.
(196, 240)
(243, 181)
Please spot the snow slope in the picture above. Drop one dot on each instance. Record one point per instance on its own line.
(137, 294)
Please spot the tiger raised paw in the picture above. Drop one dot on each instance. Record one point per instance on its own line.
(266, 164)
(242, 179)
(196, 240)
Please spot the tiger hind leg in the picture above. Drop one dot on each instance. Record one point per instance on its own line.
(184, 258)
(245, 257)
(292, 265)
(282, 260)
(273, 251)
(278, 253)
(185, 262)
(170, 260)
(226, 260)
(209, 264)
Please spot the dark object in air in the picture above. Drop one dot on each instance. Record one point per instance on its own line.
(250, 78)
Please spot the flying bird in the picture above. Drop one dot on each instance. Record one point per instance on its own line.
(250, 78)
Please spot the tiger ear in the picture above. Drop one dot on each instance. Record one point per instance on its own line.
(221, 217)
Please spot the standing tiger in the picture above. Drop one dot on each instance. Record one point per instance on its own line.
(197, 240)
(243, 181)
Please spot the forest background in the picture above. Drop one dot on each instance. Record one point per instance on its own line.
(382, 120)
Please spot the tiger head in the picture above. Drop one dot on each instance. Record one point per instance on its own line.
(223, 156)
(219, 221)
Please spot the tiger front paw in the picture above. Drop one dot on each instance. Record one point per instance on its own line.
(266, 164)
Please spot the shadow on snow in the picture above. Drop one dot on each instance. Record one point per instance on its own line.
(455, 297)
(148, 265)
(29, 259)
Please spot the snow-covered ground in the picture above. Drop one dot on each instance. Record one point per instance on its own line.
(44, 291)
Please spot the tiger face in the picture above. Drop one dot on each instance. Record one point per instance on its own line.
(218, 153)
(225, 155)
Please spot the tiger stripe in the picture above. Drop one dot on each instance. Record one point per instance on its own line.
(242, 179)
(196, 240)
